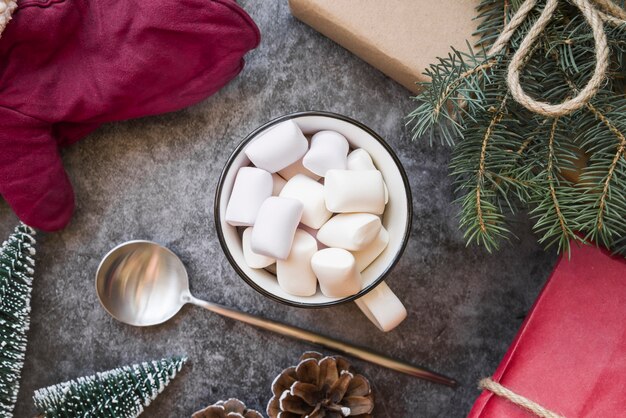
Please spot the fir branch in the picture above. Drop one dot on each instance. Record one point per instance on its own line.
(481, 165)
(524, 145)
(551, 220)
(601, 201)
(621, 147)
(551, 180)
(481, 217)
(505, 156)
(457, 92)
(454, 84)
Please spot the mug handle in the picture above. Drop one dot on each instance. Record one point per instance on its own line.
(382, 307)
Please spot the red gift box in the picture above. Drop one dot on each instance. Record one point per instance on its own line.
(570, 354)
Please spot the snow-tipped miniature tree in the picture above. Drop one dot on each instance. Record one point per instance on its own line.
(16, 278)
(119, 393)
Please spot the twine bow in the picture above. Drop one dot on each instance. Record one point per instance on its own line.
(596, 13)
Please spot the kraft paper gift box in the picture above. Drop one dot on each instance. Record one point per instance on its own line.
(399, 37)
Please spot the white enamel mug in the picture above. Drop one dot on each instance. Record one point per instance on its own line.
(375, 299)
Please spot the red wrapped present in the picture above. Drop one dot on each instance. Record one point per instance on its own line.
(570, 354)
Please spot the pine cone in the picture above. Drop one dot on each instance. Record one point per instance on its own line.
(320, 387)
(232, 408)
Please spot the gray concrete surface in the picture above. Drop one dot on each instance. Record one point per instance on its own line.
(155, 178)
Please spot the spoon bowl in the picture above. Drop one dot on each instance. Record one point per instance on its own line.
(142, 283)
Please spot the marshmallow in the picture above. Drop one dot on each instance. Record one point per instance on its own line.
(275, 226)
(297, 168)
(354, 191)
(278, 147)
(336, 271)
(360, 160)
(311, 194)
(252, 186)
(329, 150)
(295, 275)
(278, 185)
(350, 231)
(254, 260)
(366, 256)
(313, 233)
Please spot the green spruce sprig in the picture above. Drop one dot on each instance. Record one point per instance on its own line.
(570, 171)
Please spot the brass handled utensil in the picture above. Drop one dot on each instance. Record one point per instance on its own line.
(142, 283)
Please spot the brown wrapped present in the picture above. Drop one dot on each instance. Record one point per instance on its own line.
(399, 37)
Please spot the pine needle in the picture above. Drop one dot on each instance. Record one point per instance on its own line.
(506, 158)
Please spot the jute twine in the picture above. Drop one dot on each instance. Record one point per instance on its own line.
(519, 400)
(596, 13)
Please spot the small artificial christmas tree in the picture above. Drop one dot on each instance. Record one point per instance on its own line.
(16, 271)
(119, 393)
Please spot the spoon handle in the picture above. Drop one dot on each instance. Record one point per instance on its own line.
(327, 342)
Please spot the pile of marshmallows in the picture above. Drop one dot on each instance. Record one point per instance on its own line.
(315, 212)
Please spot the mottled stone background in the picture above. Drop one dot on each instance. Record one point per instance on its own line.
(155, 179)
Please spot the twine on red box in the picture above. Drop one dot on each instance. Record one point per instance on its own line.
(519, 400)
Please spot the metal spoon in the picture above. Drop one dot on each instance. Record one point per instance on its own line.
(142, 283)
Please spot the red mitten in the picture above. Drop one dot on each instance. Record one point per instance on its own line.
(68, 66)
